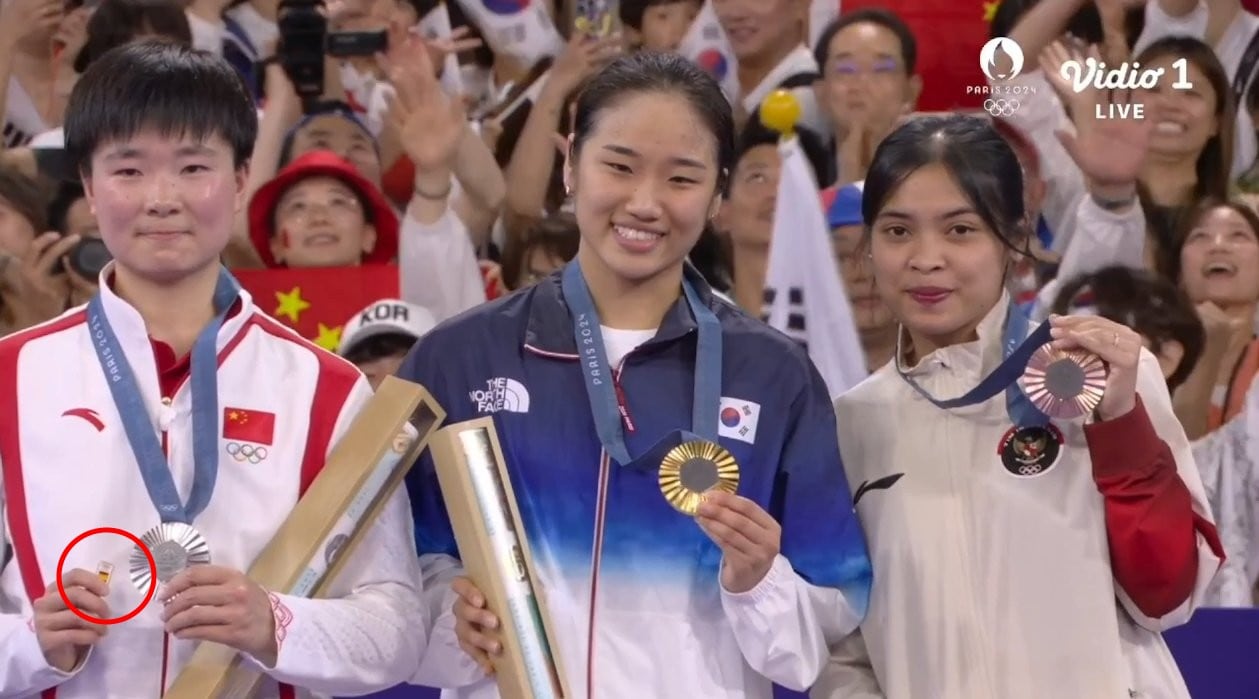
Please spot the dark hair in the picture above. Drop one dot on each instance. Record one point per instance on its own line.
(336, 108)
(755, 133)
(557, 234)
(870, 15)
(1146, 302)
(632, 11)
(370, 349)
(974, 153)
(59, 208)
(1215, 162)
(1171, 266)
(1085, 24)
(649, 71)
(162, 85)
(116, 22)
(25, 196)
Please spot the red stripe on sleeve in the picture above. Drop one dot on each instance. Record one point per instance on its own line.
(1150, 520)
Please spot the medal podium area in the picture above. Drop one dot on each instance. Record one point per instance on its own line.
(1215, 652)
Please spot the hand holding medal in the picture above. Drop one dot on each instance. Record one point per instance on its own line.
(1116, 345)
(218, 604)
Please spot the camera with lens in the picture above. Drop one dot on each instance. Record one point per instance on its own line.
(305, 41)
(87, 258)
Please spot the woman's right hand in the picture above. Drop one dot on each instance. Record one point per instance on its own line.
(475, 626)
(33, 291)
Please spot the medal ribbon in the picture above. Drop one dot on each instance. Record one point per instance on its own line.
(135, 416)
(599, 377)
(1017, 347)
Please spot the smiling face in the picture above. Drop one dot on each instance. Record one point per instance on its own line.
(165, 206)
(1186, 117)
(320, 222)
(1220, 259)
(937, 265)
(761, 31)
(643, 186)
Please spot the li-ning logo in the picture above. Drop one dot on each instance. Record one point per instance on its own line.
(1001, 59)
(501, 394)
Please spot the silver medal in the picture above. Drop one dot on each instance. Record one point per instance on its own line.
(174, 546)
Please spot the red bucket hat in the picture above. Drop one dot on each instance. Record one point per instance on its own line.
(322, 163)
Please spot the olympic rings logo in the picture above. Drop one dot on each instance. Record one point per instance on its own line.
(1001, 107)
(246, 452)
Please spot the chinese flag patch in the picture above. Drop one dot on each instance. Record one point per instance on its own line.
(244, 425)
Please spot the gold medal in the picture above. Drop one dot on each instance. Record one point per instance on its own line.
(694, 468)
(1062, 384)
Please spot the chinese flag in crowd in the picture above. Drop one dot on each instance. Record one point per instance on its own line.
(946, 67)
(318, 302)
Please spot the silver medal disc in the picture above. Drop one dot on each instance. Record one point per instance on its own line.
(174, 546)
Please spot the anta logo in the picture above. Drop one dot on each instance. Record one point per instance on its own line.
(500, 394)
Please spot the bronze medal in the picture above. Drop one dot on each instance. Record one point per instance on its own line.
(1064, 384)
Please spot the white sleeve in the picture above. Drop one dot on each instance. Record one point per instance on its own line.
(1102, 239)
(438, 266)
(1152, 388)
(1228, 459)
(1160, 25)
(785, 626)
(444, 663)
(1039, 117)
(23, 669)
(369, 633)
(848, 674)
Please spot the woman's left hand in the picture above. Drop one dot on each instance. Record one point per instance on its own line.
(1117, 345)
(749, 538)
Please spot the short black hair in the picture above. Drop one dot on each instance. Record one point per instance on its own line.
(871, 15)
(755, 133)
(632, 11)
(163, 85)
(116, 22)
(380, 346)
(1146, 302)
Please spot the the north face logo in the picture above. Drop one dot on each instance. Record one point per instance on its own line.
(501, 394)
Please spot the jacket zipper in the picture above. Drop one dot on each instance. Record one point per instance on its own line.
(600, 513)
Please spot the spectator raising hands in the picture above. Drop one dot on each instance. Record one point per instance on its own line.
(1109, 151)
(430, 125)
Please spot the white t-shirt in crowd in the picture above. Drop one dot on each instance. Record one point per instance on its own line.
(621, 342)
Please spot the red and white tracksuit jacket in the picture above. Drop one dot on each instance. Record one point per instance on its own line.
(67, 467)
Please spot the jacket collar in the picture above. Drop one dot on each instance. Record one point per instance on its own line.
(550, 326)
(133, 335)
(976, 358)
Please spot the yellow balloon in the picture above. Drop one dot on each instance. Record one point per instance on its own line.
(780, 111)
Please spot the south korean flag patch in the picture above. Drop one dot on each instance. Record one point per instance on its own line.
(737, 418)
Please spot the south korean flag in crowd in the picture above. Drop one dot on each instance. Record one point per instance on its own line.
(706, 44)
(804, 296)
(520, 29)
